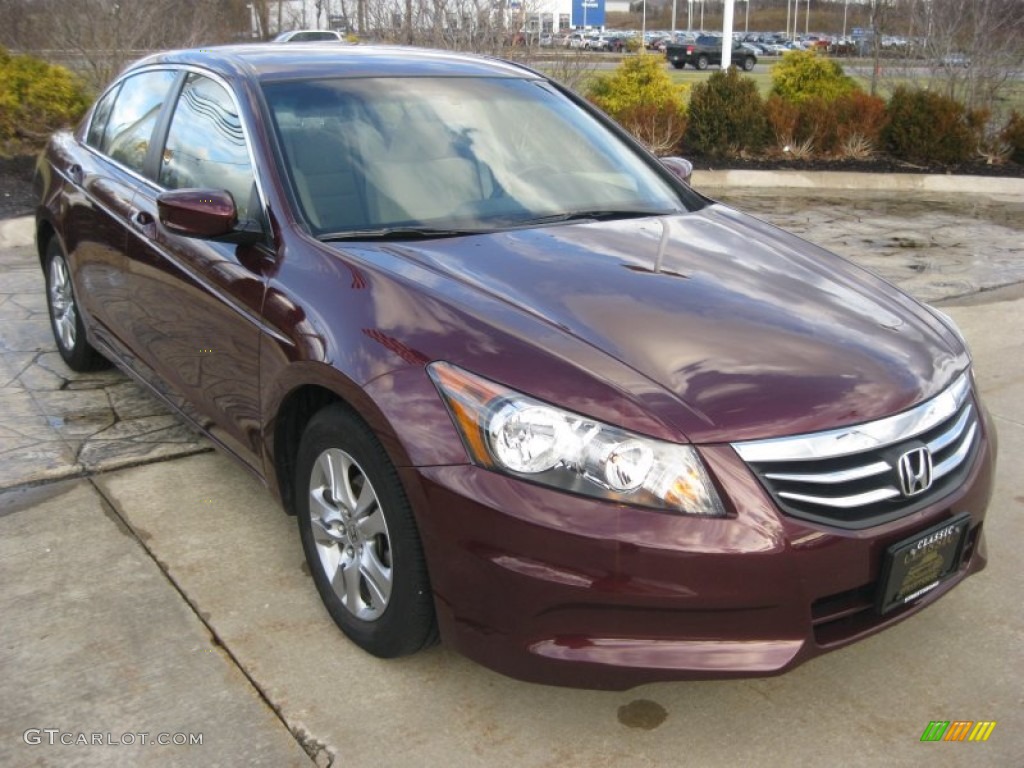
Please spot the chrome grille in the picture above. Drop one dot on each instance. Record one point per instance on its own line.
(851, 477)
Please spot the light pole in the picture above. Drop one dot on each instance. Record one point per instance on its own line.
(673, 21)
(727, 35)
(746, 20)
(846, 7)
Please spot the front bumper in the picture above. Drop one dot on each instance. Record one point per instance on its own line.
(563, 590)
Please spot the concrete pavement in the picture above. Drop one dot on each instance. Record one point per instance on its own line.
(171, 597)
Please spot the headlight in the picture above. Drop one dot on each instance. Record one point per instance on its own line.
(515, 434)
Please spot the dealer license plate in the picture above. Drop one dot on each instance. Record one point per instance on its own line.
(917, 565)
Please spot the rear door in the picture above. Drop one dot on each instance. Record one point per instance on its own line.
(104, 175)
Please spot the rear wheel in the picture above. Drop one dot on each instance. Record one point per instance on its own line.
(748, 64)
(65, 319)
(360, 538)
(702, 62)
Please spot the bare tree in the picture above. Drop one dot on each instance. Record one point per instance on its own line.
(975, 50)
(879, 16)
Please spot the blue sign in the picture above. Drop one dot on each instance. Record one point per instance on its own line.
(588, 13)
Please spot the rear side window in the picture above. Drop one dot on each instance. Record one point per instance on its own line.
(206, 145)
(129, 127)
(100, 116)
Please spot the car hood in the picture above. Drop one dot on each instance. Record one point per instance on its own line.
(755, 332)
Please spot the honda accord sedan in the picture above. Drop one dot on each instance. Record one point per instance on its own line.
(524, 389)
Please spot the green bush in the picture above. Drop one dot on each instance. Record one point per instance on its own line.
(1013, 135)
(35, 99)
(727, 115)
(642, 98)
(638, 81)
(803, 75)
(927, 127)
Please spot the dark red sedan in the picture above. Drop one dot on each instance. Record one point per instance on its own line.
(521, 385)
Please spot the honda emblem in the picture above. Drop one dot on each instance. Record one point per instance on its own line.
(915, 469)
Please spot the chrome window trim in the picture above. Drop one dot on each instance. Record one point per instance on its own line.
(862, 437)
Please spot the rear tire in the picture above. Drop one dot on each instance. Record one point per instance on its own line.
(748, 64)
(65, 318)
(679, 64)
(702, 62)
(360, 538)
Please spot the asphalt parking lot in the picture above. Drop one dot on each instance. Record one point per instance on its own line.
(151, 586)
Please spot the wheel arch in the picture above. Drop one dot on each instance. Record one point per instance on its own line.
(45, 232)
(294, 413)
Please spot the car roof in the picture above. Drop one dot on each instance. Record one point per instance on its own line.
(275, 62)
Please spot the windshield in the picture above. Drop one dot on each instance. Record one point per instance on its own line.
(453, 154)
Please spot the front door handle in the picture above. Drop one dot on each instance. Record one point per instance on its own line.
(143, 221)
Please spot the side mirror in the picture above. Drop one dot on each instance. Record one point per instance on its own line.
(679, 167)
(204, 213)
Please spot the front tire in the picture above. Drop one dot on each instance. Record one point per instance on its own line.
(748, 64)
(65, 319)
(679, 64)
(360, 538)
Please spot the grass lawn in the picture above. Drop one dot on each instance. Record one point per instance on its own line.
(692, 76)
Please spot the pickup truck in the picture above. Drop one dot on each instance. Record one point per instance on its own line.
(707, 50)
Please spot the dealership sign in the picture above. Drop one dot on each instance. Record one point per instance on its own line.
(588, 13)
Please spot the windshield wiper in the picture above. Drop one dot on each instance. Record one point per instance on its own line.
(397, 233)
(596, 214)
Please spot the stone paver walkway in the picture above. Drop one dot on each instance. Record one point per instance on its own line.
(55, 423)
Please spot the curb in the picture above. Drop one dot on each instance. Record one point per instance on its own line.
(990, 186)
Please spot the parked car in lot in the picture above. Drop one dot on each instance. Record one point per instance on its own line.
(576, 40)
(520, 384)
(706, 51)
(955, 60)
(308, 36)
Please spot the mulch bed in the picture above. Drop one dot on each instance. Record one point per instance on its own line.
(16, 195)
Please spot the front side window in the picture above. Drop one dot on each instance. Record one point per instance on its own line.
(454, 152)
(205, 145)
(129, 128)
